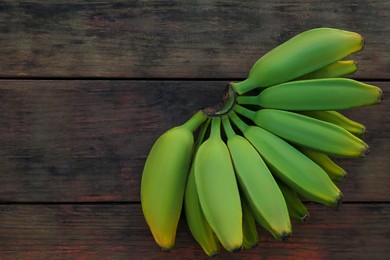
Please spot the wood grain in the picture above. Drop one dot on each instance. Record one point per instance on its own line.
(174, 39)
(86, 87)
(118, 231)
(82, 141)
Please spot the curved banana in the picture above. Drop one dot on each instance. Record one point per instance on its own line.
(335, 172)
(290, 165)
(258, 185)
(218, 190)
(164, 179)
(296, 209)
(316, 94)
(249, 229)
(339, 119)
(339, 68)
(307, 131)
(196, 221)
(302, 54)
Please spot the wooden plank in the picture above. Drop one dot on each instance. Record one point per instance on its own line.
(67, 141)
(355, 231)
(172, 39)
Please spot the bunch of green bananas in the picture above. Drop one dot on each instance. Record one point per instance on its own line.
(268, 147)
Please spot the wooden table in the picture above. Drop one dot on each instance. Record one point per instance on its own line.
(87, 86)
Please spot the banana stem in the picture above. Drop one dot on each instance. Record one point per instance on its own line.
(202, 134)
(243, 86)
(247, 100)
(228, 127)
(195, 121)
(245, 112)
(223, 108)
(238, 122)
(215, 127)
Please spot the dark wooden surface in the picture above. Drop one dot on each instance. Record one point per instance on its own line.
(87, 86)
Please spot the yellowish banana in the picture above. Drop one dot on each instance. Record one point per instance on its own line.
(339, 119)
(218, 190)
(307, 131)
(258, 185)
(339, 68)
(290, 165)
(296, 209)
(164, 179)
(335, 172)
(302, 54)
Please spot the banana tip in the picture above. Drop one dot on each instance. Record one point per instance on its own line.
(363, 132)
(285, 236)
(381, 96)
(339, 200)
(238, 249)
(365, 152)
(214, 253)
(342, 178)
(305, 217)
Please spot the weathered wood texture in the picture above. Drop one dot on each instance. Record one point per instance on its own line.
(118, 231)
(72, 148)
(174, 39)
(95, 135)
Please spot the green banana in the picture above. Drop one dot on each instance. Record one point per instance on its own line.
(258, 185)
(196, 221)
(296, 209)
(218, 190)
(316, 94)
(307, 131)
(339, 68)
(249, 229)
(290, 165)
(286, 129)
(164, 179)
(339, 119)
(335, 172)
(300, 55)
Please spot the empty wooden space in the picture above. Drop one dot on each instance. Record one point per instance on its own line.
(86, 87)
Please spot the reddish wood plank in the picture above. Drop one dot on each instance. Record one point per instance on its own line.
(174, 39)
(68, 141)
(118, 231)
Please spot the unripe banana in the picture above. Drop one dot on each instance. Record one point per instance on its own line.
(296, 209)
(249, 229)
(164, 179)
(196, 221)
(217, 189)
(316, 94)
(335, 172)
(258, 185)
(339, 119)
(290, 165)
(302, 54)
(339, 68)
(307, 131)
